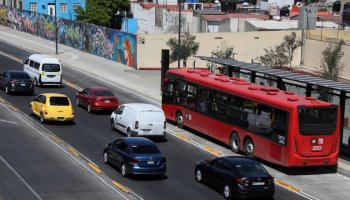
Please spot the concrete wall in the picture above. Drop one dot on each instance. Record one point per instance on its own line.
(313, 56)
(247, 45)
(146, 19)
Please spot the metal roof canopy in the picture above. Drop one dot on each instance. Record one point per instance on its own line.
(334, 85)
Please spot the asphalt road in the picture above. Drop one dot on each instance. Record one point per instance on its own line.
(33, 167)
(91, 132)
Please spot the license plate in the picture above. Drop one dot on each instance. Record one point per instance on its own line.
(258, 183)
(23, 84)
(107, 101)
(150, 162)
(60, 119)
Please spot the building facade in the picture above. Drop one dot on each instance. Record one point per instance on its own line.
(65, 8)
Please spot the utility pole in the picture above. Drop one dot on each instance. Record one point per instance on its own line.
(179, 43)
(56, 29)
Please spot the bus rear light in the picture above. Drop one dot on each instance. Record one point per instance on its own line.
(45, 112)
(295, 146)
(336, 145)
(136, 124)
(313, 141)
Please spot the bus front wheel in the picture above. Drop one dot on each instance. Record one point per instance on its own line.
(249, 148)
(235, 142)
(179, 120)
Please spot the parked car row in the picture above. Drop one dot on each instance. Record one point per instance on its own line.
(135, 154)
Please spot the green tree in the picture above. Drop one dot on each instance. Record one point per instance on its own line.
(331, 64)
(223, 51)
(187, 47)
(281, 55)
(290, 44)
(274, 57)
(100, 12)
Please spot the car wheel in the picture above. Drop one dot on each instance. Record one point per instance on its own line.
(112, 125)
(235, 142)
(123, 170)
(179, 120)
(42, 120)
(105, 157)
(128, 132)
(227, 192)
(30, 110)
(36, 82)
(89, 108)
(77, 102)
(199, 176)
(7, 91)
(249, 148)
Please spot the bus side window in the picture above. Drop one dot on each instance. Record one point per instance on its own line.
(204, 100)
(31, 63)
(192, 98)
(168, 91)
(279, 126)
(264, 119)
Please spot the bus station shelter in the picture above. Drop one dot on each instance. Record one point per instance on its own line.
(303, 84)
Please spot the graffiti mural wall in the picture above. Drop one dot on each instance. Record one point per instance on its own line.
(107, 43)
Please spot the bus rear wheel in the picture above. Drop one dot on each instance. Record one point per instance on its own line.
(249, 148)
(179, 120)
(235, 142)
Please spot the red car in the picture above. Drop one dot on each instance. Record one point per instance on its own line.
(97, 98)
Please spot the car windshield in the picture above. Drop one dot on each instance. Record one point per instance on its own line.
(250, 169)
(103, 93)
(20, 76)
(144, 149)
(51, 67)
(59, 101)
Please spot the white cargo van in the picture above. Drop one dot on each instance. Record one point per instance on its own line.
(138, 119)
(43, 69)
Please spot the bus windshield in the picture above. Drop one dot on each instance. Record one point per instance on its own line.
(317, 121)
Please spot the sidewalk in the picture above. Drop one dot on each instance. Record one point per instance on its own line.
(146, 83)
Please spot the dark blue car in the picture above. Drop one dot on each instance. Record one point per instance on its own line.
(16, 81)
(236, 177)
(135, 155)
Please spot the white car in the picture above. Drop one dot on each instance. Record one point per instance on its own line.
(138, 119)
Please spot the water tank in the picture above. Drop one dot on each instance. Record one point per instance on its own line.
(346, 17)
(336, 6)
(346, 6)
(284, 11)
(274, 10)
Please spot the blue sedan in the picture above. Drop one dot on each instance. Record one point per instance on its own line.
(135, 155)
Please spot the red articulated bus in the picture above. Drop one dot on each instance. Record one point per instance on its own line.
(278, 126)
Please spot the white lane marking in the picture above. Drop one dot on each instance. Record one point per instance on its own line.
(64, 150)
(156, 102)
(20, 177)
(6, 121)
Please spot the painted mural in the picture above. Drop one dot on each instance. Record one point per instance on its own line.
(107, 43)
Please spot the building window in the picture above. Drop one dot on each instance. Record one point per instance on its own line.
(32, 7)
(63, 7)
(76, 6)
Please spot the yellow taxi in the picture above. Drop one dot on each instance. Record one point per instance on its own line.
(52, 107)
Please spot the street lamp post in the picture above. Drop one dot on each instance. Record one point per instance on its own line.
(56, 28)
(179, 43)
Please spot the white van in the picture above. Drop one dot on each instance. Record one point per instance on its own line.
(138, 119)
(43, 69)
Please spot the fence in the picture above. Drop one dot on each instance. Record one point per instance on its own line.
(335, 32)
(104, 42)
